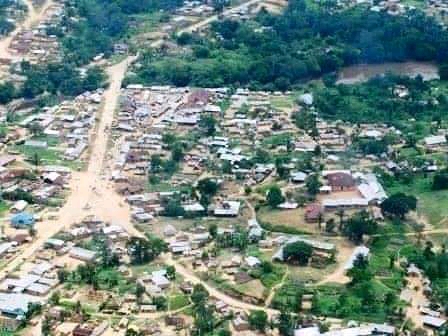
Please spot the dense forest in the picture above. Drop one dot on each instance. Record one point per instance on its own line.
(277, 51)
(102, 23)
(57, 79)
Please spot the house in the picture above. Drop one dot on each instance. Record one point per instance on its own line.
(20, 238)
(363, 330)
(252, 261)
(180, 247)
(19, 206)
(6, 160)
(354, 202)
(4, 248)
(38, 289)
(15, 304)
(55, 244)
(433, 322)
(298, 177)
(176, 321)
(186, 287)
(359, 250)
(371, 189)
(413, 270)
(121, 48)
(308, 331)
(240, 323)
(306, 98)
(169, 230)
(158, 278)
(435, 141)
(242, 277)
(23, 220)
(83, 330)
(312, 212)
(82, 254)
(194, 207)
(227, 209)
(341, 181)
(323, 247)
(53, 178)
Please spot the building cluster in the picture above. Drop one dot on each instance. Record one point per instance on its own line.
(35, 280)
(69, 124)
(38, 44)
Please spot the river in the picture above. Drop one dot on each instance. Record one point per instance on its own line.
(363, 72)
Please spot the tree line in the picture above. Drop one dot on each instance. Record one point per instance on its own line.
(280, 51)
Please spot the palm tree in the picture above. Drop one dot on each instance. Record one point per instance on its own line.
(319, 221)
(36, 159)
(341, 214)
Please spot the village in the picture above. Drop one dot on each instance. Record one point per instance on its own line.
(197, 228)
(128, 209)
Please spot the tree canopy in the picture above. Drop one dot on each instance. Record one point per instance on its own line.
(398, 205)
(299, 252)
(258, 53)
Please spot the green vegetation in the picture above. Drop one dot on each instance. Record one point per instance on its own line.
(433, 204)
(143, 250)
(101, 23)
(358, 225)
(298, 252)
(399, 205)
(258, 53)
(258, 320)
(60, 78)
(440, 181)
(434, 263)
(274, 196)
(289, 296)
(375, 101)
(178, 302)
(363, 299)
(3, 207)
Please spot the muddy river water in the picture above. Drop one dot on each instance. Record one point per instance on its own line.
(363, 72)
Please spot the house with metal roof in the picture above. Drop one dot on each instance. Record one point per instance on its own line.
(23, 220)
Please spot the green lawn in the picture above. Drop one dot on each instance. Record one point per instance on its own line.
(381, 250)
(280, 103)
(48, 156)
(148, 22)
(433, 204)
(277, 139)
(178, 301)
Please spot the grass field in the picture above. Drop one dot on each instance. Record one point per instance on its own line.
(288, 219)
(280, 103)
(48, 156)
(178, 302)
(432, 204)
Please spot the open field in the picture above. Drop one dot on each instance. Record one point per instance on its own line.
(288, 218)
(432, 204)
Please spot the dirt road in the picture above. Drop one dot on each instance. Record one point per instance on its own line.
(203, 23)
(275, 288)
(418, 300)
(89, 189)
(189, 276)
